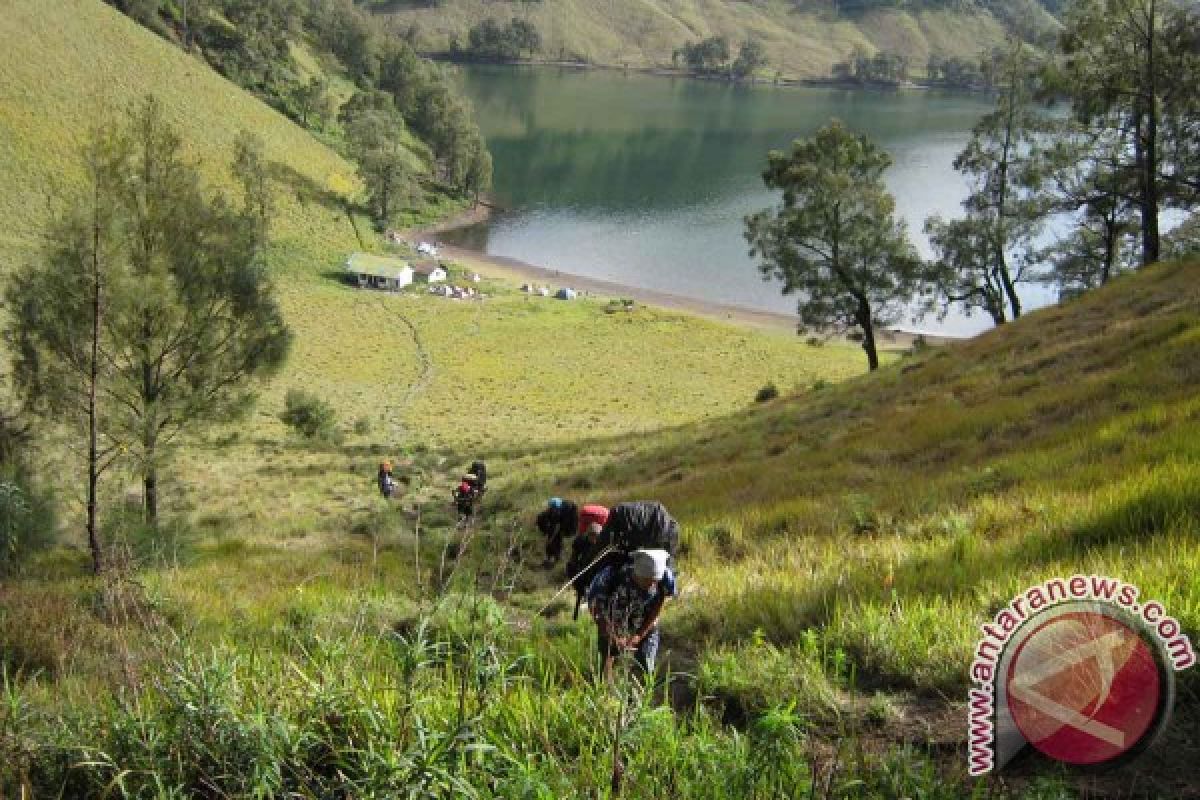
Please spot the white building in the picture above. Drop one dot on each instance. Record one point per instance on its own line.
(378, 272)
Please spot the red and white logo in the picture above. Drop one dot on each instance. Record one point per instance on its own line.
(1084, 687)
(1081, 669)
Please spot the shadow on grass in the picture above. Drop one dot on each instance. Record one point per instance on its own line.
(784, 612)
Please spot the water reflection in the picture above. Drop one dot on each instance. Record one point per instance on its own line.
(646, 180)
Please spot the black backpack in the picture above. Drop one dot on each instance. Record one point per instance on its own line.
(642, 526)
(479, 470)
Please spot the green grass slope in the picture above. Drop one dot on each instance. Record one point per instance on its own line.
(844, 545)
(802, 43)
(69, 66)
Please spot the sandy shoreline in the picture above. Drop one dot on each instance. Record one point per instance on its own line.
(514, 271)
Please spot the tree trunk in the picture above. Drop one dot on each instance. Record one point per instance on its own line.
(1010, 291)
(149, 445)
(150, 491)
(93, 379)
(868, 329)
(1150, 238)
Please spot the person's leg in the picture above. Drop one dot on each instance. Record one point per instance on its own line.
(647, 652)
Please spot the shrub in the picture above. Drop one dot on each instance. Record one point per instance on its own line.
(766, 393)
(27, 521)
(362, 426)
(308, 415)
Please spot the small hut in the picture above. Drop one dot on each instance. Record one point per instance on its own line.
(378, 272)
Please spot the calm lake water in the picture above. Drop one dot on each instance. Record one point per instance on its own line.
(645, 180)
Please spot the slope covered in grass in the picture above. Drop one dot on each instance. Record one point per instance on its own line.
(800, 42)
(856, 537)
(69, 66)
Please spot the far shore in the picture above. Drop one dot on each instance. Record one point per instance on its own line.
(514, 271)
(828, 82)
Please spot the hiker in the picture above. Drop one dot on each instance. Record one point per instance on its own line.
(641, 525)
(626, 602)
(466, 497)
(558, 519)
(479, 471)
(584, 561)
(387, 483)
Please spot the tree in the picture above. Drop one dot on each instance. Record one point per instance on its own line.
(1130, 59)
(58, 313)
(524, 35)
(983, 257)
(479, 172)
(383, 161)
(186, 318)
(1084, 177)
(313, 101)
(309, 415)
(707, 55)
(834, 240)
(751, 57)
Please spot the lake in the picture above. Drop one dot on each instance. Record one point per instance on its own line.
(645, 180)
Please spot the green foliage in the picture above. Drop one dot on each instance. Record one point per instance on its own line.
(751, 57)
(834, 241)
(707, 55)
(187, 314)
(890, 69)
(1131, 66)
(955, 72)
(375, 144)
(27, 520)
(983, 256)
(488, 41)
(308, 415)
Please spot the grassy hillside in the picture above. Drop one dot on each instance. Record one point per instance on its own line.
(72, 65)
(845, 544)
(287, 632)
(802, 43)
(841, 546)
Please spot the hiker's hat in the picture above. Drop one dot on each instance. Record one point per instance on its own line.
(650, 563)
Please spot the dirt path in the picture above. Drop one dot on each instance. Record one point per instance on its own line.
(426, 360)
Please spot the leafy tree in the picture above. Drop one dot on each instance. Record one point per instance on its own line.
(488, 40)
(1131, 60)
(957, 72)
(479, 171)
(308, 415)
(886, 68)
(313, 102)
(383, 161)
(707, 55)
(1084, 177)
(525, 36)
(985, 255)
(751, 57)
(59, 310)
(250, 169)
(173, 315)
(834, 240)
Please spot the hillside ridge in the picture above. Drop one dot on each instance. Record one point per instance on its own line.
(801, 41)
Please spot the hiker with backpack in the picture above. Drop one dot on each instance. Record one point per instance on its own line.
(584, 561)
(468, 495)
(559, 519)
(478, 475)
(387, 483)
(645, 525)
(626, 601)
